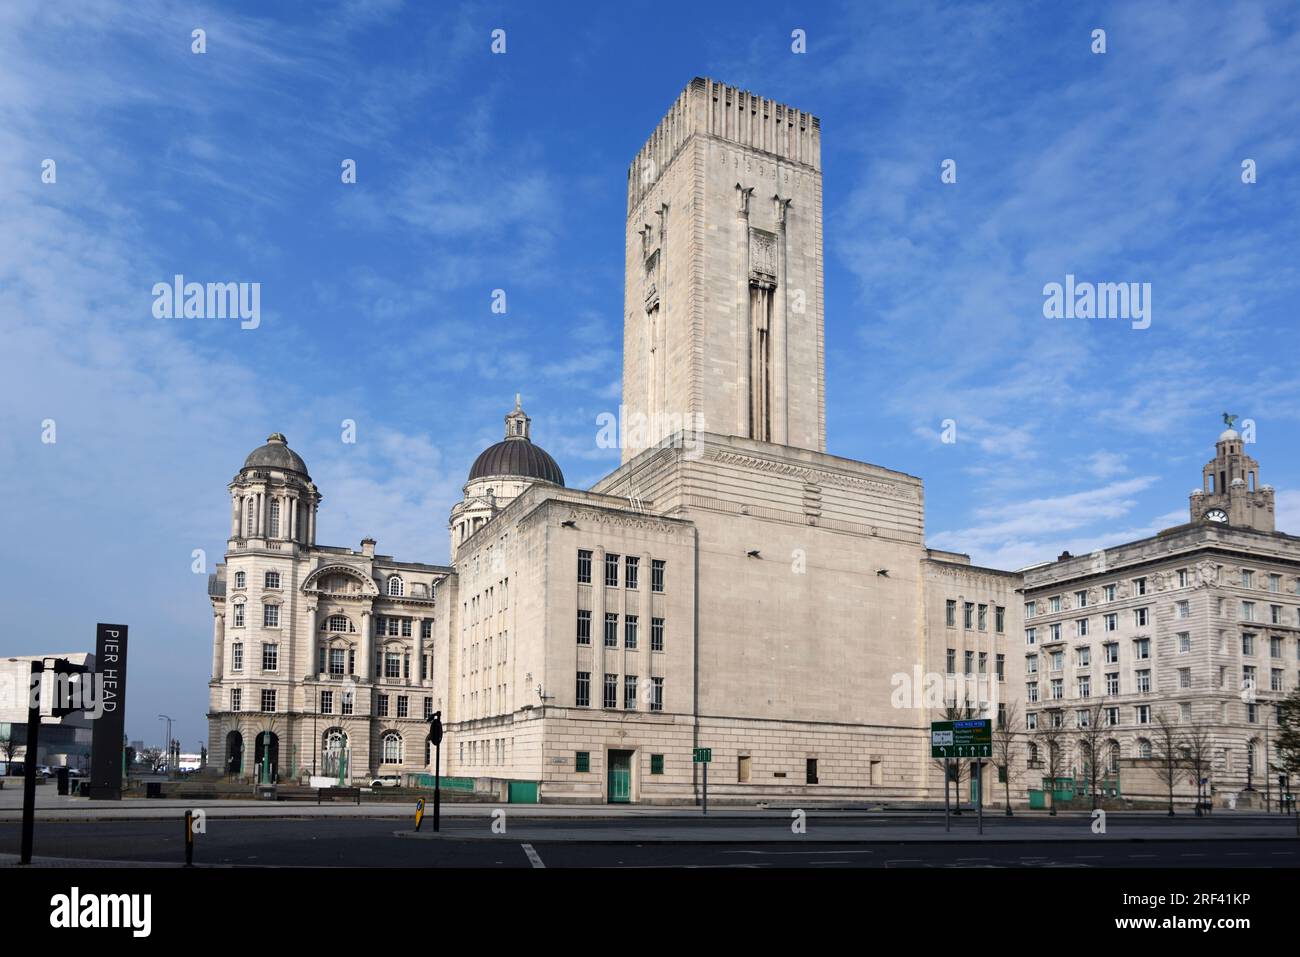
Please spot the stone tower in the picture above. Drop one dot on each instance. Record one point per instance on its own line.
(723, 274)
(1230, 490)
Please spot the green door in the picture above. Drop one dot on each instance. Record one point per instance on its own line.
(620, 777)
(522, 792)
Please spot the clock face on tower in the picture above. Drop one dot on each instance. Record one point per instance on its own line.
(1216, 515)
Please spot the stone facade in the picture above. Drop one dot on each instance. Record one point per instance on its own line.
(1199, 624)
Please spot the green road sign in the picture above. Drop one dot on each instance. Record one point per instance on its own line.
(970, 738)
(703, 755)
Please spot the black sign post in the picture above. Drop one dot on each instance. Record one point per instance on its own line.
(106, 740)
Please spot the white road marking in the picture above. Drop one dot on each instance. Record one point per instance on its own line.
(533, 857)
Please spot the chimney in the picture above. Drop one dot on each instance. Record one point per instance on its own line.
(368, 547)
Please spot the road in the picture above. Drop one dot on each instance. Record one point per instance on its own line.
(844, 841)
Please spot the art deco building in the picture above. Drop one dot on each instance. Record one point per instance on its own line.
(732, 585)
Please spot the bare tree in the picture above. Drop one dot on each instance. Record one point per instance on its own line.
(1092, 741)
(1052, 737)
(1004, 747)
(9, 746)
(1196, 744)
(153, 758)
(1169, 753)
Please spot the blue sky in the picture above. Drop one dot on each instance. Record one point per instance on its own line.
(479, 171)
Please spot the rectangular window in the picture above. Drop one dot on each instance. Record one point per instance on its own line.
(656, 764)
(582, 761)
(1182, 578)
(1275, 679)
(582, 695)
(1031, 691)
(236, 699)
(629, 692)
(345, 706)
(1081, 627)
(237, 656)
(1108, 592)
(584, 567)
(1000, 619)
(1054, 604)
(1112, 682)
(1110, 652)
(1247, 611)
(381, 702)
(657, 574)
(631, 568)
(1143, 680)
(1142, 648)
(984, 662)
(1184, 642)
(656, 694)
(1139, 586)
(268, 699)
(1275, 614)
(656, 634)
(1140, 617)
(1031, 607)
(1081, 599)
(1275, 583)
(406, 628)
(239, 615)
(968, 615)
(426, 628)
(1143, 714)
(629, 631)
(1182, 609)
(1112, 621)
(352, 661)
(611, 571)
(1085, 687)
(392, 664)
(810, 771)
(1247, 578)
(611, 691)
(1001, 664)
(272, 579)
(271, 616)
(1031, 636)
(1248, 644)
(336, 661)
(1084, 656)
(1055, 631)
(1112, 716)
(950, 614)
(584, 627)
(403, 706)
(1031, 723)
(270, 657)
(1058, 689)
(428, 708)
(983, 618)
(1031, 664)
(1184, 678)
(952, 661)
(611, 629)
(1275, 647)
(968, 659)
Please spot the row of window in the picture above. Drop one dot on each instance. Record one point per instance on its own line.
(654, 691)
(631, 566)
(631, 626)
(972, 661)
(395, 587)
(976, 616)
(1142, 682)
(1140, 587)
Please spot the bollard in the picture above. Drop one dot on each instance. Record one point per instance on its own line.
(189, 838)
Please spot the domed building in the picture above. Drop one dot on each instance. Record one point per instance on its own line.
(499, 475)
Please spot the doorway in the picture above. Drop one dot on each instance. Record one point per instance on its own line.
(620, 777)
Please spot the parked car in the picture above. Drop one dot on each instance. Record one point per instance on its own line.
(386, 781)
(43, 771)
(76, 773)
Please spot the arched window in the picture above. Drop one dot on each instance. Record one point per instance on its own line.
(1033, 754)
(392, 748)
(396, 587)
(337, 623)
(1113, 760)
(240, 579)
(275, 518)
(1144, 748)
(252, 519)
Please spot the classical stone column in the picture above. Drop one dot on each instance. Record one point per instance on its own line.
(235, 501)
(367, 643)
(293, 518)
(218, 644)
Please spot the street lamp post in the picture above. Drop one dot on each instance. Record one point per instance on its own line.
(167, 718)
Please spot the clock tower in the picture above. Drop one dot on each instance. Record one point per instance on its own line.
(1230, 492)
